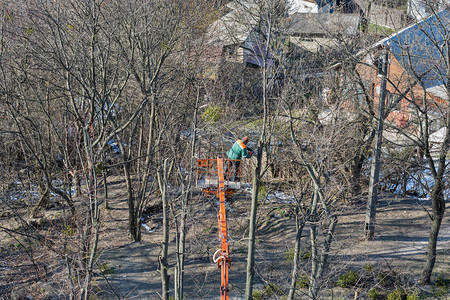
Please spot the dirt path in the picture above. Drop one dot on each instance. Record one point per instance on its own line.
(402, 227)
(401, 236)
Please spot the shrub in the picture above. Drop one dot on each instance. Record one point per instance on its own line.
(442, 282)
(384, 278)
(106, 269)
(258, 295)
(374, 294)
(412, 296)
(68, 231)
(401, 294)
(398, 294)
(211, 114)
(303, 282)
(262, 192)
(368, 267)
(272, 290)
(289, 255)
(441, 285)
(348, 279)
(306, 255)
(100, 168)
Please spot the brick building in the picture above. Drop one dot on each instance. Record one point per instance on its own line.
(417, 64)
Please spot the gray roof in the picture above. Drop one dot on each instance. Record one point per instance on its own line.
(235, 26)
(322, 24)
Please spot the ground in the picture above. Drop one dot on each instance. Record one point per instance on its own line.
(130, 270)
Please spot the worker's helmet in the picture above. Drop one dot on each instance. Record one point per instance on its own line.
(245, 139)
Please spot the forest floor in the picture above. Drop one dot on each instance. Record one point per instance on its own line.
(130, 270)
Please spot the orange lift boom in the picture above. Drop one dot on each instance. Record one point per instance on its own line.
(211, 180)
(222, 255)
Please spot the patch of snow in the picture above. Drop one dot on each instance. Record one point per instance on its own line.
(420, 183)
(148, 229)
(283, 196)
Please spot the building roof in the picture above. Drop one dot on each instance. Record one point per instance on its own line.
(420, 48)
(234, 27)
(322, 24)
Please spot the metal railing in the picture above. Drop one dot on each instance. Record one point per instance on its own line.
(207, 173)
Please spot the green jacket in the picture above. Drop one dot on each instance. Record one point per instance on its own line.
(238, 150)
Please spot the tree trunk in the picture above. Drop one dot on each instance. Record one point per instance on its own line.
(437, 198)
(369, 228)
(132, 224)
(181, 245)
(438, 204)
(257, 174)
(300, 224)
(252, 227)
(356, 168)
(105, 180)
(44, 199)
(162, 181)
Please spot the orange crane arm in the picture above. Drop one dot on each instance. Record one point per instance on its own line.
(223, 261)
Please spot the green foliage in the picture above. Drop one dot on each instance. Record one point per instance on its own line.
(68, 231)
(29, 30)
(262, 192)
(212, 114)
(398, 294)
(258, 295)
(270, 291)
(306, 255)
(289, 255)
(378, 29)
(401, 294)
(282, 212)
(348, 279)
(303, 282)
(165, 46)
(441, 284)
(16, 246)
(106, 269)
(100, 168)
(368, 268)
(413, 296)
(384, 278)
(374, 294)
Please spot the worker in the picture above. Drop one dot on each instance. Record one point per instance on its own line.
(237, 151)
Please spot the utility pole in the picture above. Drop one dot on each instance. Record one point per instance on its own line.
(369, 228)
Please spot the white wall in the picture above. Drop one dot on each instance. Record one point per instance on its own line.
(420, 9)
(300, 6)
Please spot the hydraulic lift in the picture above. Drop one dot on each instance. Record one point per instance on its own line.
(213, 178)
